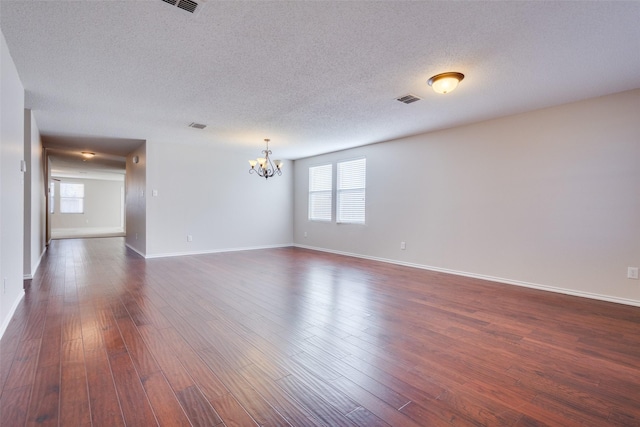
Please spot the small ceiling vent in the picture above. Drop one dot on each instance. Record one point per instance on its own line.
(408, 98)
(197, 125)
(188, 5)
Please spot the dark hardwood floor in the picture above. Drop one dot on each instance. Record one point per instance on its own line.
(295, 337)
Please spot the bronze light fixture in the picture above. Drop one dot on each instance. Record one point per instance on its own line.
(445, 82)
(263, 166)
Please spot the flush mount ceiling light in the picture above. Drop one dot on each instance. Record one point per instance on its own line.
(265, 168)
(445, 82)
(88, 154)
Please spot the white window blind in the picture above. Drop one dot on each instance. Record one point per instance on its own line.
(320, 178)
(71, 198)
(351, 188)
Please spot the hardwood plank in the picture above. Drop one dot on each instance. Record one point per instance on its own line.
(283, 403)
(372, 404)
(232, 412)
(45, 397)
(206, 380)
(134, 403)
(163, 401)
(363, 417)
(166, 358)
(142, 359)
(13, 406)
(25, 362)
(74, 397)
(198, 409)
(241, 389)
(103, 398)
(314, 402)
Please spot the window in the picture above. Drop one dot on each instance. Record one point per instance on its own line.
(320, 193)
(71, 198)
(351, 191)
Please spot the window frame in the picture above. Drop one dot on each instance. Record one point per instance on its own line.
(314, 193)
(64, 207)
(358, 189)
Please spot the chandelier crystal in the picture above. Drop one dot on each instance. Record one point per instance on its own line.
(263, 166)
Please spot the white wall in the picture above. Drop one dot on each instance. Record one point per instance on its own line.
(549, 198)
(209, 194)
(34, 197)
(11, 186)
(102, 206)
(135, 200)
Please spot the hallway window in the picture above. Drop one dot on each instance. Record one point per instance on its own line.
(71, 198)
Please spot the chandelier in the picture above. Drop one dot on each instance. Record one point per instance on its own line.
(265, 168)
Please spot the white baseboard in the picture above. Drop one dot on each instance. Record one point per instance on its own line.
(214, 251)
(87, 232)
(34, 268)
(9, 316)
(555, 289)
(135, 250)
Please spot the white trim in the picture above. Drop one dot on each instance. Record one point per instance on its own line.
(548, 288)
(44, 250)
(87, 232)
(34, 269)
(215, 251)
(10, 314)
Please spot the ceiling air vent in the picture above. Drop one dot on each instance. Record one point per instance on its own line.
(197, 125)
(408, 99)
(188, 5)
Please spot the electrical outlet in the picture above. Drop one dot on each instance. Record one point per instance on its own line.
(403, 245)
(305, 234)
(189, 238)
(4, 285)
(136, 236)
(632, 273)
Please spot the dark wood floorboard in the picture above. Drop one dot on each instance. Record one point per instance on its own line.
(292, 337)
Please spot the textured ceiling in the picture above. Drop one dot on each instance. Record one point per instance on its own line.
(312, 76)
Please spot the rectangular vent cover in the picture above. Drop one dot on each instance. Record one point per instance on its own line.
(408, 99)
(197, 125)
(188, 5)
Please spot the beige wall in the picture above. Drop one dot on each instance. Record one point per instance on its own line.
(549, 198)
(102, 206)
(209, 194)
(11, 186)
